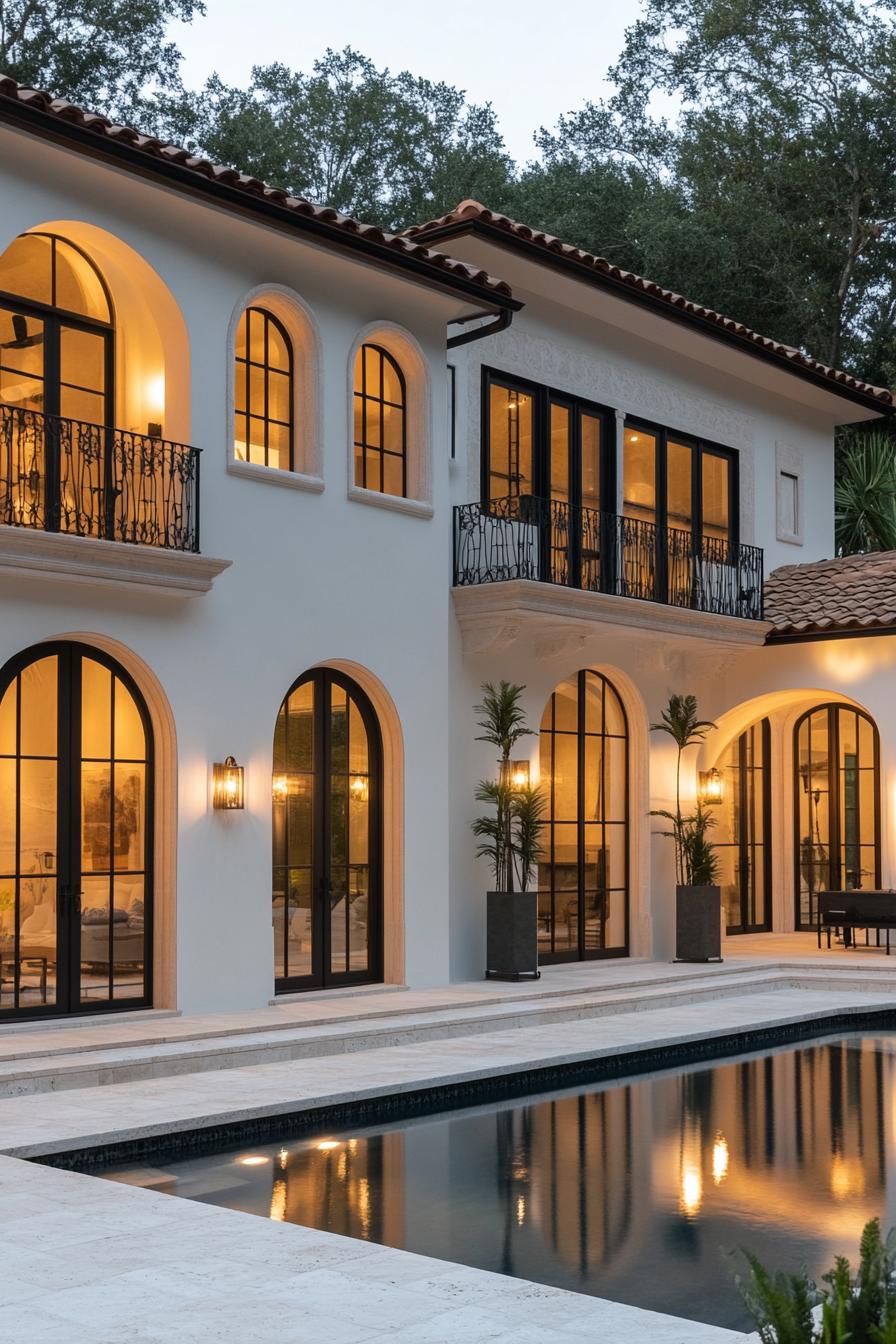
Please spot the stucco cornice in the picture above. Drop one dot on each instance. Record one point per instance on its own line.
(494, 615)
(26, 554)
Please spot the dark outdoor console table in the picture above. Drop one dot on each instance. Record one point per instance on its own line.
(860, 909)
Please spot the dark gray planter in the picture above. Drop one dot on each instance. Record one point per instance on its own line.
(511, 950)
(698, 924)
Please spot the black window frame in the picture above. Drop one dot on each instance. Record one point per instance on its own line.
(364, 396)
(664, 434)
(243, 366)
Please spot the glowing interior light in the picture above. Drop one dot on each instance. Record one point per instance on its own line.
(719, 1159)
(327, 1145)
(253, 1161)
(691, 1194)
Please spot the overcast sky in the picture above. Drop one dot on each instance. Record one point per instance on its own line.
(532, 59)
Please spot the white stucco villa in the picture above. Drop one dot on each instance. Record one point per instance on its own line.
(279, 491)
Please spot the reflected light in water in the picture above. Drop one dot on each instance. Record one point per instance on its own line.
(847, 1177)
(720, 1159)
(691, 1194)
(521, 1210)
(327, 1145)
(254, 1161)
(278, 1200)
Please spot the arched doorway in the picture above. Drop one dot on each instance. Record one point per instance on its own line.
(327, 836)
(742, 833)
(836, 786)
(583, 878)
(76, 803)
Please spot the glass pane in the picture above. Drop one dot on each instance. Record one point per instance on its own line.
(89, 407)
(96, 808)
(566, 761)
(37, 942)
(595, 782)
(372, 411)
(559, 452)
(298, 928)
(679, 462)
(256, 390)
(256, 324)
(392, 390)
(38, 691)
(338, 736)
(130, 738)
(359, 369)
(278, 352)
(82, 359)
(338, 824)
(594, 720)
(510, 442)
(716, 503)
(96, 710)
(300, 728)
(300, 820)
(278, 446)
(393, 429)
(590, 435)
(339, 923)
(128, 938)
(130, 817)
(566, 705)
(26, 268)
(37, 820)
(615, 716)
(639, 475)
(21, 350)
(240, 346)
(97, 931)
(357, 736)
(393, 475)
(8, 865)
(78, 287)
(256, 440)
(278, 397)
(358, 919)
(8, 720)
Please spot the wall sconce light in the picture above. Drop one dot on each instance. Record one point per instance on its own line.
(228, 788)
(711, 788)
(280, 789)
(154, 429)
(358, 787)
(517, 775)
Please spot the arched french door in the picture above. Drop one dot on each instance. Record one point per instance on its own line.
(583, 877)
(327, 836)
(742, 833)
(836, 787)
(76, 802)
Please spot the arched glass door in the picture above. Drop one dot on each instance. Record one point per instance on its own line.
(742, 834)
(836, 769)
(583, 876)
(75, 834)
(327, 881)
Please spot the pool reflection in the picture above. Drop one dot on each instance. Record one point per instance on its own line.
(641, 1192)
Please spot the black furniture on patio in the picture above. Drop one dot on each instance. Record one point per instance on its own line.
(859, 909)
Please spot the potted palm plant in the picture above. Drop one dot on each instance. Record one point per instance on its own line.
(698, 924)
(509, 838)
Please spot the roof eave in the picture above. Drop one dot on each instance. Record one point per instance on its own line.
(661, 307)
(121, 154)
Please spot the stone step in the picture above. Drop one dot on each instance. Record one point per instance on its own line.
(325, 1033)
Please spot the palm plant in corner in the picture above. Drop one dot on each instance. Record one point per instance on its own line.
(509, 837)
(698, 907)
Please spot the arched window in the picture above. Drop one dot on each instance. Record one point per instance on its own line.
(56, 329)
(380, 434)
(836, 784)
(583, 876)
(263, 391)
(76, 790)
(327, 835)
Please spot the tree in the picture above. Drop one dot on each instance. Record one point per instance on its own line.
(391, 148)
(865, 493)
(105, 54)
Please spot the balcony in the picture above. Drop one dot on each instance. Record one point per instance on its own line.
(62, 480)
(520, 539)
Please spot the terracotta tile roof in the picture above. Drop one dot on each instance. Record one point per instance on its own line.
(853, 594)
(474, 213)
(63, 116)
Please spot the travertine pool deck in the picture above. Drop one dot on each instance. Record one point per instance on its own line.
(85, 1259)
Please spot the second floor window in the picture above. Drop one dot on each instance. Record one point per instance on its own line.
(380, 433)
(263, 391)
(679, 483)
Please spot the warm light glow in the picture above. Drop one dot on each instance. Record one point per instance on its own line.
(521, 1210)
(155, 396)
(720, 1159)
(227, 790)
(280, 789)
(327, 1145)
(691, 1194)
(278, 1201)
(283, 1158)
(358, 787)
(711, 786)
(253, 1161)
(847, 1177)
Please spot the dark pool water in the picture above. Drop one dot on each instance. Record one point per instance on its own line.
(642, 1191)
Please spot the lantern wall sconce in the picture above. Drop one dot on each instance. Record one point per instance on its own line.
(711, 788)
(228, 789)
(517, 775)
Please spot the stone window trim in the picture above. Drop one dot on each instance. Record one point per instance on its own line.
(406, 351)
(301, 326)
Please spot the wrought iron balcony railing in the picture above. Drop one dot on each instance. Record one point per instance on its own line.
(60, 475)
(523, 537)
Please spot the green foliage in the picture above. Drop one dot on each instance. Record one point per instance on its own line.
(509, 835)
(696, 863)
(865, 493)
(106, 53)
(854, 1309)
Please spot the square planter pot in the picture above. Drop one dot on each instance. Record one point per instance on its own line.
(698, 924)
(511, 951)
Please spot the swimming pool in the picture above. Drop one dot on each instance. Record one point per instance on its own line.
(641, 1190)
